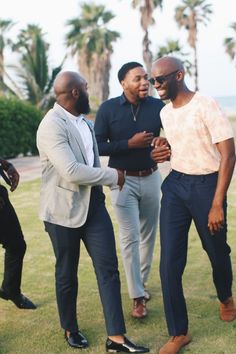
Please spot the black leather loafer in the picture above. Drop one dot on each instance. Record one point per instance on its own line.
(126, 347)
(21, 301)
(76, 340)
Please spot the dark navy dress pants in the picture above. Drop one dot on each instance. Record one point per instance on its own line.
(186, 198)
(98, 237)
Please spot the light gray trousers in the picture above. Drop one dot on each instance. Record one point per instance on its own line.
(137, 209)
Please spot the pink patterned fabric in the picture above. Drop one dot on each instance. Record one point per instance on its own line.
(193, 131)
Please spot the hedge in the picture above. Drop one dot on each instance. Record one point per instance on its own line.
(19, 121)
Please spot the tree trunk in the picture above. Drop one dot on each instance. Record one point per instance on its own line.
(147, 54)
(97, 73)
(148, 58)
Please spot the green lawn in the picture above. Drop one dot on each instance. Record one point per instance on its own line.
(28, 332)
(31, 332)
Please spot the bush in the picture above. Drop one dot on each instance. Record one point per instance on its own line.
(19, 121)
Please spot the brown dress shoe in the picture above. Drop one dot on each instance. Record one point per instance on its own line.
(174, 344)
(139, 308)
(227, 310)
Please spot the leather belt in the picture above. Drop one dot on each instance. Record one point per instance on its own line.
(142, 173)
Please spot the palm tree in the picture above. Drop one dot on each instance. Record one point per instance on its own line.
(146, 8)
(91, 42)
(188, 15)
(5, 26)
(173, 48)
(230, 43)
(34, 72)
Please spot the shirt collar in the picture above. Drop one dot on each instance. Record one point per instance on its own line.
(72, 117)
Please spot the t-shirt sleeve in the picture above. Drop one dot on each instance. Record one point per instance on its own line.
(217, 122)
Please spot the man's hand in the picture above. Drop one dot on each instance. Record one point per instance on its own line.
(13, 176)
(216, 219)
(140, 140)
(121, 179)
(161, 151)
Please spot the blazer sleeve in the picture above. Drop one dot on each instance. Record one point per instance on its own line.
(53, 142)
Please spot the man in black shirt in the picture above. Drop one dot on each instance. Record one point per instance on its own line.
(125, 127)
(12, 239)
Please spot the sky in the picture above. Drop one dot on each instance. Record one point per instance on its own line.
(217, 73)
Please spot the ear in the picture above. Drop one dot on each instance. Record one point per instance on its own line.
(75, 92)
(180, 76)
(123, 84)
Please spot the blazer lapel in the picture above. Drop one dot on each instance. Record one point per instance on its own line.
(72, 130)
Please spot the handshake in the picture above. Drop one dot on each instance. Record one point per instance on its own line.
(161, 152)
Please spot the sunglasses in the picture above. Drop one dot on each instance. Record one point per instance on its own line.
(162, 78)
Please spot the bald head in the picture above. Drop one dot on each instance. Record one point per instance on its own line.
(66, 81)
(71, 92)
(168, 64)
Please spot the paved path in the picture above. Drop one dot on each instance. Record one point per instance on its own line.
(29, 167)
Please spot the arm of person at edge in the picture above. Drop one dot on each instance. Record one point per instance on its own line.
(11, 172)
(107, 147)
(216, 218)
(161, 150)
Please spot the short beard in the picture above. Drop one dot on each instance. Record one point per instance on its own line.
(82, 104)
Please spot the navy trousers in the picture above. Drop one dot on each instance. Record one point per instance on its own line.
(98, 237)
(186, 198)
(12, 239)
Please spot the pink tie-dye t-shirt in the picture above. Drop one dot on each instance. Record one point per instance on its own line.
(193, 131)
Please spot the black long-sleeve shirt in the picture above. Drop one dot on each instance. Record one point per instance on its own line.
(115, 125)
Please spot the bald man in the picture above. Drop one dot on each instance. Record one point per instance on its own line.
(73, 209)
(202, 162)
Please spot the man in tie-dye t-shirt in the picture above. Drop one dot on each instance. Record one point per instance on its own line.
(202, 156)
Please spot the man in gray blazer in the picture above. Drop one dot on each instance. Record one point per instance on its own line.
(73, 209)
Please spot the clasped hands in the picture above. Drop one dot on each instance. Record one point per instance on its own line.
(161, 151)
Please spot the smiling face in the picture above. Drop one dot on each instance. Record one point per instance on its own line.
(135, 84)
(167, 77)
(166, 89)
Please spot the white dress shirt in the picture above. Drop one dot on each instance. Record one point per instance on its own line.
(82, 126)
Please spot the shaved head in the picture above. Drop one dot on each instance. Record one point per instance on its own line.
(168, 77)
(66, 81)
(168, 64)
(71, 92)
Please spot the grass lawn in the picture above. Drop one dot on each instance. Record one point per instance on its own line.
(31, 332)
(24, 332)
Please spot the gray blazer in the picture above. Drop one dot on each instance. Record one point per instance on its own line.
(66, 176)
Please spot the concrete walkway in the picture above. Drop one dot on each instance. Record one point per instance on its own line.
(29, 167)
